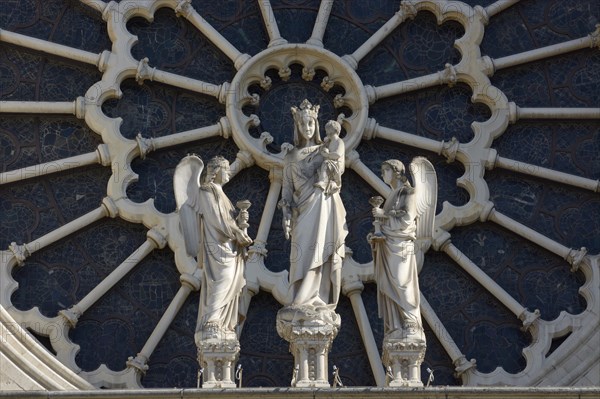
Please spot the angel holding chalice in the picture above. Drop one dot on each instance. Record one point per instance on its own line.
(214, 235)
(403, 232)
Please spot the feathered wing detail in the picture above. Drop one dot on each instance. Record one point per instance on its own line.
(425, 185)
(186, 183)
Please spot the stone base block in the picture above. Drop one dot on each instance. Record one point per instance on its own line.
(218, 358)
(310, 335)
(402, 359)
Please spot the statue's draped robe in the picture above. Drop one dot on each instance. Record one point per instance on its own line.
(221, 259)
(396, 272)
(318, 230)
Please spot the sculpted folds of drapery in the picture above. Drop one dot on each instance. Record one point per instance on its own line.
(406, 230)
(313, 219)
(213, 236)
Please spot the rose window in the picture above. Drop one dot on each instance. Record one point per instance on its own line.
(100, 101)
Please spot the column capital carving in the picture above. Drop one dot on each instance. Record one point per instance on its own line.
(370, 131)
(462, 365)
(258, 248)
(20, 252)
(144, 71)
(108, 9)
(486, 211)
(71, 315)
(441, 240)
(110, 207)
(230, 347)
(350, 60)
(529, 318)
(483, 15)
(184, 8)
(407, 10)
(487, 65)
(575, 257)
(190, 281)
(223, 92)
(513, 112)
(492, 158)
(145, 145)
(103, 60)
(79, 105)
(450, 149)
(448, 75)
(225, 127)
(245, 158)
(352, 285)
(241, 60)
(139, 363)
(371, 93)
(156, 238)
(103, 155)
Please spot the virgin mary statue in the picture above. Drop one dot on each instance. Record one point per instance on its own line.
(315, 221)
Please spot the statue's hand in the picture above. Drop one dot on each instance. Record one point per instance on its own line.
(374, 238)
(378, 212)
(287, 228)
(242, 238)
(398, 213)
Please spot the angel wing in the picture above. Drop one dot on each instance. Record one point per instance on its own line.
(425, 185)
(186, 183)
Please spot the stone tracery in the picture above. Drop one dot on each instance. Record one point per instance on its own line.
(476, 155)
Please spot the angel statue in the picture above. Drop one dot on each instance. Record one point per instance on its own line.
(406, 227)
(212, 234)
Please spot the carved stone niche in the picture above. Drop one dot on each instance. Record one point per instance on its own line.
(310, 341)
(402, 358)
(218, 358)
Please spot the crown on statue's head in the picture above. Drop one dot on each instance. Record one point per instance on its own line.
(306, 108)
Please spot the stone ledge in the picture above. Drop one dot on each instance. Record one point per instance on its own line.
(291, 393)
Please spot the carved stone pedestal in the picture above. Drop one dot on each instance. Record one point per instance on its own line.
(218, 358)
(310, 334)
(402, 358)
